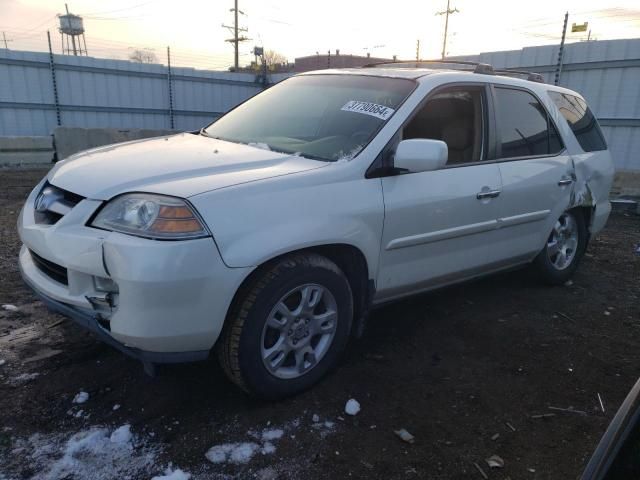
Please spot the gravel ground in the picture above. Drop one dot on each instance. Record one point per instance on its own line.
(465, 370)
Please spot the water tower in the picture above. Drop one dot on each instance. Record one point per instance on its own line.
(72, 29)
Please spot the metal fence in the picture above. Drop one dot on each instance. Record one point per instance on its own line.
(96, 92)
(606, 73)
(39, 92)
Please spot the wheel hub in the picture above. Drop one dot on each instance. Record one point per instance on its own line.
(299, 331)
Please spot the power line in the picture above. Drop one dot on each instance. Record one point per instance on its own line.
(120, 9)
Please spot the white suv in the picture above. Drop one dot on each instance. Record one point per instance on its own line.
(271, 233)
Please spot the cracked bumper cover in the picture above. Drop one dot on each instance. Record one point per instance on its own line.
(89, 320)
(172, 296)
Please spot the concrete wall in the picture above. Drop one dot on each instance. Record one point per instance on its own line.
(66, 141)
(102, 93)
(26, 150)
(70, 140)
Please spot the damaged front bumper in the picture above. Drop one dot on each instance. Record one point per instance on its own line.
(91, 321)
(157, 301)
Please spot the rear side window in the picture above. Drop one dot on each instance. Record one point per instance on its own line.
(581, 120)
(525, 129)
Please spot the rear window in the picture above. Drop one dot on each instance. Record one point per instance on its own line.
(581, 120)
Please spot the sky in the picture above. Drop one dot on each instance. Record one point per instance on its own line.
(193, 28)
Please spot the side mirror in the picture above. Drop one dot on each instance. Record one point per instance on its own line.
(420, 155)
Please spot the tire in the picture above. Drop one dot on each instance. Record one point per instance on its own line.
(306, 337)
(550, 265)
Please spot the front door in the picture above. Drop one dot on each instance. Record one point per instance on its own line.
(437, 224)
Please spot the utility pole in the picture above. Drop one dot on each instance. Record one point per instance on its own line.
(236, 34)
(417, 50)
(446, 13)
(561, 49)
(4, 39)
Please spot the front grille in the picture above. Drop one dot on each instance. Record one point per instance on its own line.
(53, 203)
(52, 270)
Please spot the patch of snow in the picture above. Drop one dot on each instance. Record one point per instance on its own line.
(121, 435)
(23, 378)
(81, 397)
(315, 418)
(352, 407)
(243, 452)
(324, 428)
(10, 308)
(237, 453)
(260, 145)
(268, 448)
(2, 361)
(273, 434)
(116, 407)
(97, 453)
(170, 474)
(267, 473)
(348, 156)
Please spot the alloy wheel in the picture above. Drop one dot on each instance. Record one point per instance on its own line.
(299, 331)
(563, 242)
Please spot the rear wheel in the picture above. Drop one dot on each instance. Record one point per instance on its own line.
(288, 328)
(566, 244)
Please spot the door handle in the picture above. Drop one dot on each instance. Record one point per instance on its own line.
(565, 181)
(488, 194)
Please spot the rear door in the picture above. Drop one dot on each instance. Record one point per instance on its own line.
(537, 175)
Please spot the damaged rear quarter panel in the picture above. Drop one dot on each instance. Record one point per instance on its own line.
(593, 179)
(592, 171)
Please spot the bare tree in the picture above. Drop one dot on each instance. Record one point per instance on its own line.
(274, 58)
(143, 55)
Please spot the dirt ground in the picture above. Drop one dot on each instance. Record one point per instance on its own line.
(457, 368)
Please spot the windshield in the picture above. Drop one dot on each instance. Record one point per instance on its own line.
(326, 117)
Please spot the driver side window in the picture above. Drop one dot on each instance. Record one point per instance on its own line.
(456, 117)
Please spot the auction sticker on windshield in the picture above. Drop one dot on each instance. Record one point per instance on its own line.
(368, 108)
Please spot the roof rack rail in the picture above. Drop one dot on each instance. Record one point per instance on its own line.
(483, 68)
(531, 76)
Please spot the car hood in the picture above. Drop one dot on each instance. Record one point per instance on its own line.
(181, 165)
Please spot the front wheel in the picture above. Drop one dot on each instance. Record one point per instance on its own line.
(559, 259)
(288, 327)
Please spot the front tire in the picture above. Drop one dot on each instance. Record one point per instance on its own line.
(288, 326)
(559, 259)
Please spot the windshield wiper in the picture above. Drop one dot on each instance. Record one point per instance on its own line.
(204, 133)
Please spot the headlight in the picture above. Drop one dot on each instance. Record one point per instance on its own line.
(152, 216)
